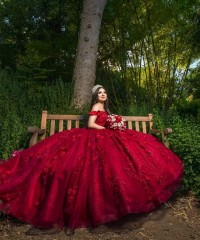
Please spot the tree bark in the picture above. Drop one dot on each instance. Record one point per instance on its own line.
(85, 63)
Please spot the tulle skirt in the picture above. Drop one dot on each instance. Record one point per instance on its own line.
(87, 177)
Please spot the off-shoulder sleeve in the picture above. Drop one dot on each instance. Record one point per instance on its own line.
(94, 113)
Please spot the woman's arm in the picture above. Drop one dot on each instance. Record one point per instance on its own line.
(92, 124)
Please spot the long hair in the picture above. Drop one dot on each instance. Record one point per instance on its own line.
(95, 100)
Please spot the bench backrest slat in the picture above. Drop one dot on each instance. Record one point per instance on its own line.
(130, 125)
(77, 124)
(137, 128)
(52, 129)
(144, 127)
(61, 122)
(69, 124)
(60, 125)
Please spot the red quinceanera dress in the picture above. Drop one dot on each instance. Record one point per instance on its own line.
(87, 177)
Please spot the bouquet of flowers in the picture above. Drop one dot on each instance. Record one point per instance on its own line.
(115, 122)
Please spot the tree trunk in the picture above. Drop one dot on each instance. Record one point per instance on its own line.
(85, 63)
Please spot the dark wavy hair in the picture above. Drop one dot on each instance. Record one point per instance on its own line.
(95, 100)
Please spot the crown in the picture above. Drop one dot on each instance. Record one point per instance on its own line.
(95, 88)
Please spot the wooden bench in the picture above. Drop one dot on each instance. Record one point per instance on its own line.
(51, 123)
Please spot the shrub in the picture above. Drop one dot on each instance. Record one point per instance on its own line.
(185, 141)
(21, 104)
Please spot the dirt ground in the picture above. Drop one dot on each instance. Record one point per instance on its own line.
(179, 219)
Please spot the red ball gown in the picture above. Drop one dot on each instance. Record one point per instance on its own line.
(86, 177)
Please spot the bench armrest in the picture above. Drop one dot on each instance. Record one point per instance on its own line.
(163, 132)
(35, 131)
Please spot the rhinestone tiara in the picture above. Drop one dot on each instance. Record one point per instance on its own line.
(95, 88)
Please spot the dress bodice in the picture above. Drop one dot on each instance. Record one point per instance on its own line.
(101, 117)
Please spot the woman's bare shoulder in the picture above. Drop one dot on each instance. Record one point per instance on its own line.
(95, 107)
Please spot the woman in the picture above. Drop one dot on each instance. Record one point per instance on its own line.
(87, 177)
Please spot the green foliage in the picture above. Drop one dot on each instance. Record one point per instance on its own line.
(41, 43)
(191, 108)
(21, 105)
(149, 43)
(185, 141)
(189, 103)
(145, 50)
